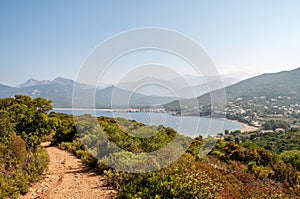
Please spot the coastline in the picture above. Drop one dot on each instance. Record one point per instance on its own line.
(245, 127)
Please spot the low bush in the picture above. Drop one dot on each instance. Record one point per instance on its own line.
(23, 125)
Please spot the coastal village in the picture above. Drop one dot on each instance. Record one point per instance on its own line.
(255, 111)
(250, 112)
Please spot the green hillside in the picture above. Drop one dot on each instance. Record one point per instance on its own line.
(229, 170)
(271, 85)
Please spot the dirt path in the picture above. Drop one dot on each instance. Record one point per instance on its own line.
(67, 177)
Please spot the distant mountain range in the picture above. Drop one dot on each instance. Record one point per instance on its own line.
(60, 91)
(33, 82)
(285, 83)
(186, 86)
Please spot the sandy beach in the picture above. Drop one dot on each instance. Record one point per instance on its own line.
(245, 127)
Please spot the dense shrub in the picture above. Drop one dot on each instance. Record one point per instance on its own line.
(259, 162)
(29, 117)
(230, 171)
(19, 167)
(182, 179)
(23, 124)
(274, 124)
(230, 151)
(64, 127)
(292, 157)
(279, 142)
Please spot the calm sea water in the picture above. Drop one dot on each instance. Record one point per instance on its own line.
(185, 125)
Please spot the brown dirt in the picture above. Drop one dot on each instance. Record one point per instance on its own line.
(68, 177)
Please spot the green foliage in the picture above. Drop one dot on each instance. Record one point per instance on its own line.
(279, 142)
(182, 179)
(231, 170)
(274, 124)
(123, 134)
(22, 161)
(29, 117)
(229, 151)
(292, 157)
(268, 85)
(238, 172)
(196, 146)
(19, 167)
(260, 162)
(285, 173)
(237, 132)
(205, 145)
(64, 127)
(250, 145)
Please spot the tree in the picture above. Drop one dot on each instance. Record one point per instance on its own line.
(30, 119)
(23, 123)
(292, 157)
(250, 145)
(274, 124)
(64, 127)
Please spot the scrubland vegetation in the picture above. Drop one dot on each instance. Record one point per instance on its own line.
(230, 170)
(23, 124)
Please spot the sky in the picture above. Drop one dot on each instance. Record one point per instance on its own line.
(46, 39)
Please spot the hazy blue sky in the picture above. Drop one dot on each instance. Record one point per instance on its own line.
(45, 39)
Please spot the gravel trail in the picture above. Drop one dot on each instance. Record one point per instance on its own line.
(68, 177)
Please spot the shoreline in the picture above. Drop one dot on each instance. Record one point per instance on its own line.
(245, 127)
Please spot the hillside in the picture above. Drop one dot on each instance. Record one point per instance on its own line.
(5, 89)
(60, 91)
(270, 85)
(135, 161)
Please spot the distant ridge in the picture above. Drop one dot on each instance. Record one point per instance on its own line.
(32, 82)
(181, 85)
(60, 91)
(285, 83)
(5, 89)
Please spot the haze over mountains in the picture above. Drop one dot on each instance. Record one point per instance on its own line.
(187, 86)
(124, 94)
(285, 83)
(60, 90)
